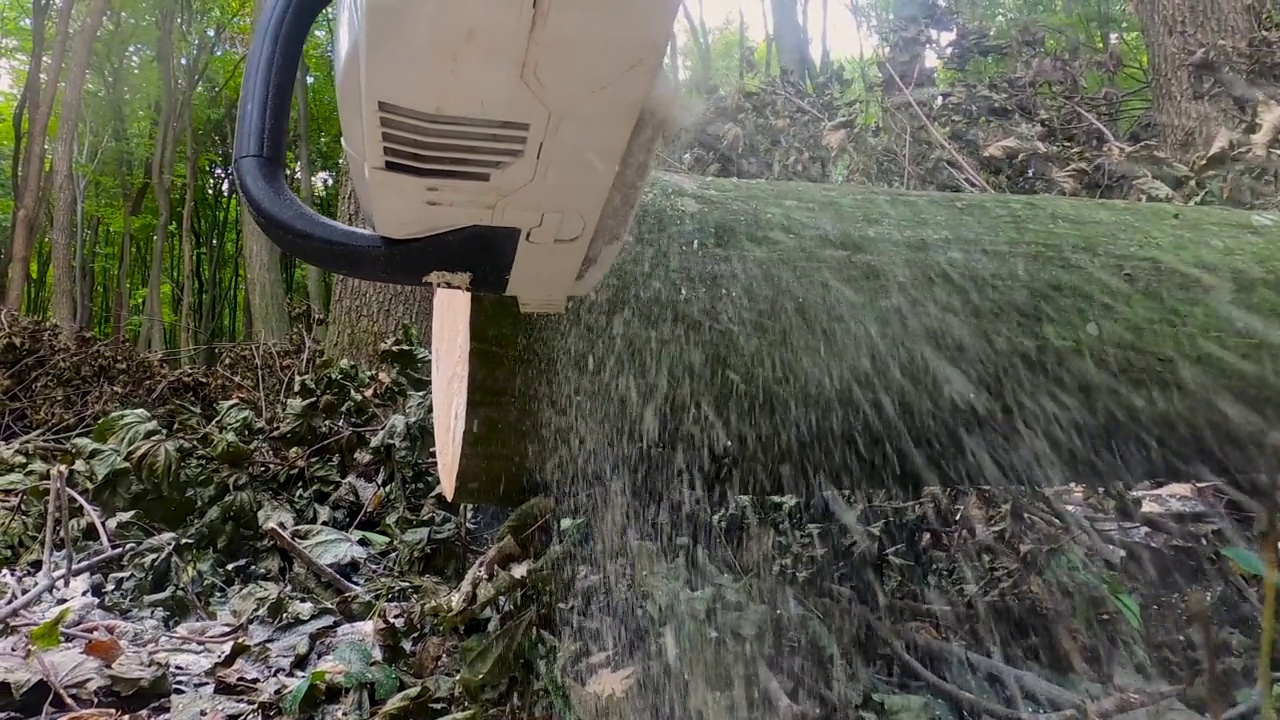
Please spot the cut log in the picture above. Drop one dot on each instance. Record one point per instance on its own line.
(782, 337)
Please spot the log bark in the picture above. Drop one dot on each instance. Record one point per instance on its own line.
(781, 337)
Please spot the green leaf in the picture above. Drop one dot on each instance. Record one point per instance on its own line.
(156, 460)
(405, 704)
(104, 461)
(385, 682)
(490, 658)
(228, 450)
(234, 417)
(48, 634)
(291, 703)
(377, 540)
(1246, 561)
(356, 657)
(126, 428)
(330, 545)
(1129, 608)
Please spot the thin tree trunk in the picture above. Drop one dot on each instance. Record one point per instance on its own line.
(315, 276)
(89, 277)
(28, 205)
(768, 37)
(64, 267)
(185, 318)
(28, 100)
(703, 81)
(824, 62)
(152, 335)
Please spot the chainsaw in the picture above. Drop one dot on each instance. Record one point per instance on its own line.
(497, 147)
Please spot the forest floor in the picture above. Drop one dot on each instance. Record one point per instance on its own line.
(263, 537)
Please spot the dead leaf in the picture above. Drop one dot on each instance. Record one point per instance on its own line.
(1268, 128)
(1014, 148)
(107, 649)
(611, 683)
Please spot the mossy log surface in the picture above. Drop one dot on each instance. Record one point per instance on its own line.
(785, 337)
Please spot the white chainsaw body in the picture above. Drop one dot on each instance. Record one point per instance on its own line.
(512, 113)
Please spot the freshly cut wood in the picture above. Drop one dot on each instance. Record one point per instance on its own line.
(782, 337)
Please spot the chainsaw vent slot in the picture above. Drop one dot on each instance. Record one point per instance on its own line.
(448, 147)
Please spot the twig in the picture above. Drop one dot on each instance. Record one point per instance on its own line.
(64, 507)
(937, 137)
(1118, 704)
(54, 685)
(787, 709)
(89, 510)
(291, 546)
(35, 593)
(1030, 682)
(50, 522)
(1093, 121)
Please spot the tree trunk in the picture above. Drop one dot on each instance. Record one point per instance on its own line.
(702, 76)
(264, 284)
(1191, 43)
(364, 314)
(151, 336)
(64, 268)
(124, 291)
(38, 131)
(88, 282)
(791, 39)
(780, 337)
(186, 322)
(315, 276)
(28, 101)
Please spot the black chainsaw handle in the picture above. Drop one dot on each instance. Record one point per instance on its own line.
(485, 254)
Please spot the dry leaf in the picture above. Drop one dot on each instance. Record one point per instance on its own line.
(107, 649)
(1268, 128)
(611, 683)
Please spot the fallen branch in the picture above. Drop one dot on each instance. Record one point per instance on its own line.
(787, 709)
(1030, 682)
(46, 584)
(291, 546)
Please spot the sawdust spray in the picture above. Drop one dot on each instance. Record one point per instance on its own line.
(722, 366)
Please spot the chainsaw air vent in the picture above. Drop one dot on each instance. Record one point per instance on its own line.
(448, 147)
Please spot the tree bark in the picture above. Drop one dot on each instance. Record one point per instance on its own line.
(151, 335)
(25, 218)
(777, 337)
(315, 276)
(186, 322)
(65, 282)
(28, 101)
(264, 284)
(88, 283)
(364, 314)
(1188, 42)
(792, 40)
